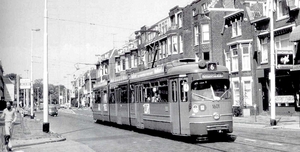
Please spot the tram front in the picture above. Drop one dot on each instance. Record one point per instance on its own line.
(211, 102)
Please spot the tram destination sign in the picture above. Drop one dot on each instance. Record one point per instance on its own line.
(212, 75)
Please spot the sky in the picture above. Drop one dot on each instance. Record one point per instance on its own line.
(77, 31)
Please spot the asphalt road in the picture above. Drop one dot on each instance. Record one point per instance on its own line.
(79, 129)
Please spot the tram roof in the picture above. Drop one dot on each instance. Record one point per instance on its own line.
(170, 70)
(192, 68)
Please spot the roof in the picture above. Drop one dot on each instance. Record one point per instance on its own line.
(7, 80)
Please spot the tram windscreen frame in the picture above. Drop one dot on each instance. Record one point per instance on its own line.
(216, 89)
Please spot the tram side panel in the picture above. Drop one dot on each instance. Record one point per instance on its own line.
(156, 116)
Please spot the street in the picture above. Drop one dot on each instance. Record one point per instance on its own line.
(80, 131)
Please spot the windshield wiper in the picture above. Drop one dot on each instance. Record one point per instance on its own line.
(202, 96)
(223, 94)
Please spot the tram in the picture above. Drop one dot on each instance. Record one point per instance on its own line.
(189, 99)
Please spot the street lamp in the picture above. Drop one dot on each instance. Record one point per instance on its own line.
(31, 81)
(46, 125)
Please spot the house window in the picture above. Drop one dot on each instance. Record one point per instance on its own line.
(236, 28)
(105, 69)
(227, 60)
(133, 60)
(205, 33)
(247, 93)
(206, 56)
(283, 42)
(179, 16)
(194, 12)
(118, 66)
(123, 64)
(196, 35)
(170, 46)
(127, 63)
(163, 49)
(180, 44)
(235, 61)
(174, 43)
(264, 50)
(246, 63)
(203, 8)
(236, 93)
(282, 9)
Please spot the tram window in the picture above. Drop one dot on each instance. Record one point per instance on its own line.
(143, 94)
(123, 93)
(112, 97)
(174, 91)
(163, 94)
(97, 97)
(210, 90)
(149, 94)
(104, 97)
(136, 92)
(132, 96)
(183, 95)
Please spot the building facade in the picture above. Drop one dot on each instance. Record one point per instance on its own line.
(9, 89)
(1, 82)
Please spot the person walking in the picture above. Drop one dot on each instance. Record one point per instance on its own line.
(10, 116)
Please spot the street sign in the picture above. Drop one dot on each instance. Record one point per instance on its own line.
(24, 83)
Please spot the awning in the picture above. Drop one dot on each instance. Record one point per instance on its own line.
(295, 34)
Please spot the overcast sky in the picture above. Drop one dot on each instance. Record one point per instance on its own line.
(77, 30)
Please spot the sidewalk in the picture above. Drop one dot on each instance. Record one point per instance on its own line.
(263, 121)
(29, 131)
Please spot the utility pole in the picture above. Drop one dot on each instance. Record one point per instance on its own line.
(18, 92)
(272, 64)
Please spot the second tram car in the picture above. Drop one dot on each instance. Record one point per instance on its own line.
(187, 100)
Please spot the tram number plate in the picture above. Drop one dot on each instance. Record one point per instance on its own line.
(216, 106)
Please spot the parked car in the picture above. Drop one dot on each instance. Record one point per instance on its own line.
(26, 112)
(53, 111)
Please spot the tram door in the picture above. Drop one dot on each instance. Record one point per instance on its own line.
(184, 106)
(139, 106)
(174, 106)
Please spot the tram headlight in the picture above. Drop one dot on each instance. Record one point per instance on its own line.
(216, 116)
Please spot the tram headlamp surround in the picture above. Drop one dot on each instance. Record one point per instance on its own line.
(202, 64)
(216, 116)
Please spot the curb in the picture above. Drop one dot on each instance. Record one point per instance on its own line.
(38, 143)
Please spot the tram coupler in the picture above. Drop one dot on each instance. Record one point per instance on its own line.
(201, 138)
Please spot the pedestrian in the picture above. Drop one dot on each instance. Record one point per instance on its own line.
(10, 116)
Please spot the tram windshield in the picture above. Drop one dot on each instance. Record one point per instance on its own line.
(210, 89)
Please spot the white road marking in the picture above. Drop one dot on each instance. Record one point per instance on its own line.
(278, 144)
(250, 140)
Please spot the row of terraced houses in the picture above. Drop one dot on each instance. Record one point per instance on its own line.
(239, 39)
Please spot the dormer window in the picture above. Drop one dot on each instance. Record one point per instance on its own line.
(203, 8)
(282, 9)
(194, 12)
(236, 28)
(179, 17)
